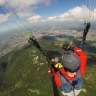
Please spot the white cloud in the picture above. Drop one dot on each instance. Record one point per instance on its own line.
(74, 14)
(4, 18)
(35, 19)
(23, 8)
(94, 15)
(2, 2)
(28, 3)
(62, 17)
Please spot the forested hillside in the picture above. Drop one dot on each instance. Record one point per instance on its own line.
(25, 72)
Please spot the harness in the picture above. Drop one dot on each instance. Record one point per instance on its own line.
(73, 83)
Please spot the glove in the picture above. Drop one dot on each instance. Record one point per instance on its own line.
(49, 71)
(66, 47)
(58, 65)
(71, 48)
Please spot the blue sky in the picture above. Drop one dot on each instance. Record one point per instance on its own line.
(56, 8)
(17, 12)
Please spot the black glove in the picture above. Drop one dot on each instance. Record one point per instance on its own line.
(67, 47)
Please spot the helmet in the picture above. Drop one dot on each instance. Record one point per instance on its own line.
(71, 61)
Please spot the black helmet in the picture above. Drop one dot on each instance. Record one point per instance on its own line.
(71, 61)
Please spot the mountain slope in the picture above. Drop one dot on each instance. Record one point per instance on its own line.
(26, 73)
(22, 77)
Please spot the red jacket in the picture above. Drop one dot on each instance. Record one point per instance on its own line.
(83, 58)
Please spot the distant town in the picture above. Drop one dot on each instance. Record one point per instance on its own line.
(13, 40)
